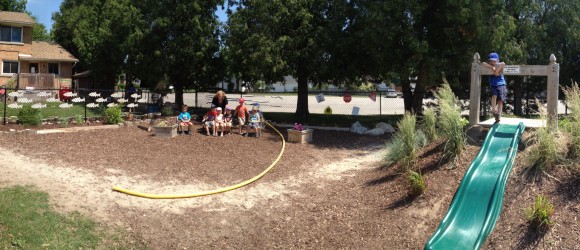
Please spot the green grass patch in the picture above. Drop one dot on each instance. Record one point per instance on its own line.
(53, 110)
(343, 121)
(28, 222)
(332, 120)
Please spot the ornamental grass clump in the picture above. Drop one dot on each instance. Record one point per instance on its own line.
(573, 99)
(451, 123)
(429, 124)
(547, 148)
(539, 214)
(403, 147)
(416, 183)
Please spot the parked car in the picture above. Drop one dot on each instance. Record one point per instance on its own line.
(390, 93)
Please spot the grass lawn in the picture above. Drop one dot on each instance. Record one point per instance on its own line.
(28, 222)
(53, 110)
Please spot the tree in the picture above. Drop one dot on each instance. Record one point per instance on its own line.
(13, 5)
(186, 36)
(271, 39)
(97, 32)
(39, 32)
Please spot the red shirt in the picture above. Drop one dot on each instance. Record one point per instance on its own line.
(211, 115)
(241, 111)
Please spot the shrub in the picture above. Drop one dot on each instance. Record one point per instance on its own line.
(544, 152)
(540, 212)
(29, 116)
(63, 122)
(167, 111)
(573, 98)
(113, 115)
(420, 139)
(403, 147)
(416, 183)
(429, 124)
(79, 119)
(450, 122)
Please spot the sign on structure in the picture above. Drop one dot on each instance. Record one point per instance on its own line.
(511, 69)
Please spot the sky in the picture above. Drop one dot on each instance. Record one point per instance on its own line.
(43, 9)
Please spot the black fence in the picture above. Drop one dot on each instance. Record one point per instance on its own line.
(87, 104)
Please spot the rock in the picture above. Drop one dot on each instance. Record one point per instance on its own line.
(356, 127)
(375, 131)
(387, 128)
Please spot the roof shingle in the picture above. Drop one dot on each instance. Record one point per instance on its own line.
(16, 18)
(45, 51)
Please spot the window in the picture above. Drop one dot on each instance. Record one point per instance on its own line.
(53, 68)
(10, 67)
(10, 34)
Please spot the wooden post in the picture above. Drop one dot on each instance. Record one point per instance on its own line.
(475, 92)
(553, 88)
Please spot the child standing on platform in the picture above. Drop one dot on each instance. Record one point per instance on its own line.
(497, 85)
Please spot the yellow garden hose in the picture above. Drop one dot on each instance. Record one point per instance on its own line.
(221, 190)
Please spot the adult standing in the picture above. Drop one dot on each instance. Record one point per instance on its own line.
(220, 100)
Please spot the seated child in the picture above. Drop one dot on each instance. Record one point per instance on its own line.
(228, 118)
(255, 121)
(209, 119)
(241, 113)
(219, 123)
(184, 120)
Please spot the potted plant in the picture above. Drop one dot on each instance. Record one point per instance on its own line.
(299, 134)
(163, 129)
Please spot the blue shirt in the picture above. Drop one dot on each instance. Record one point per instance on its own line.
(495, 81)
(184, 116)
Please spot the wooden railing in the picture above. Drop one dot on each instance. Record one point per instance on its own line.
(38, 81)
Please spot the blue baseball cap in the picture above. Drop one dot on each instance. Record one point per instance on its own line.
(493, 57)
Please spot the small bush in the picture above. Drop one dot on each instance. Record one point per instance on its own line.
(451, 122)
(546, 150)
(406, 134)
(421, 139)
(167, 111)
(540, 212)
(29, 116)
(79, 119)
(63, 122)
(394, 150)
(573, 99)
(113, 115)
(416, 183)
(429, 124)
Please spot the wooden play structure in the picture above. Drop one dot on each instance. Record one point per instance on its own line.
(552, 71)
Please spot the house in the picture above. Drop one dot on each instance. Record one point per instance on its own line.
(31, 64)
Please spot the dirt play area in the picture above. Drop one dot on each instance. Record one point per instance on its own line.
(331, 194)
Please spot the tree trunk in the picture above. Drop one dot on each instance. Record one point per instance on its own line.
(407, 93)
(419, 92)
(518, 94)
(302, 106)
(179, 93)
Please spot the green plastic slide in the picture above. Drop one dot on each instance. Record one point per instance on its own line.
(477, 203)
